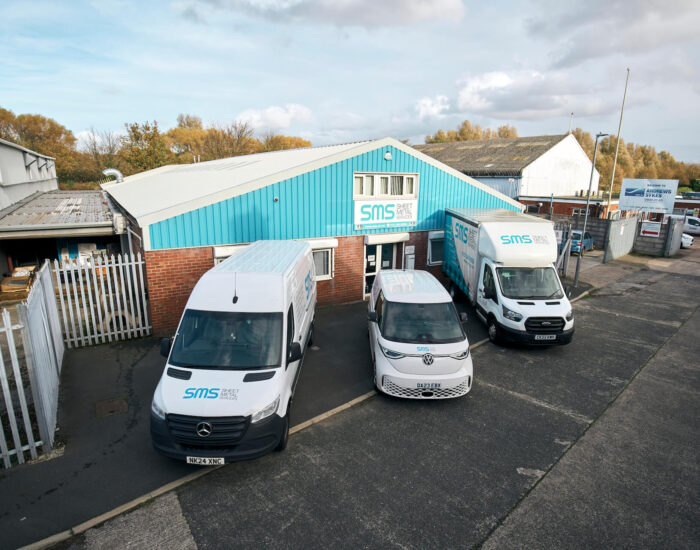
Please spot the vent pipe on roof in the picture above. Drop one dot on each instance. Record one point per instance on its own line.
(114, 172)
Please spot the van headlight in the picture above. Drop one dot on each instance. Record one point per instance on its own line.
(267, 411)
(461, 355)
(512, 315)
(391, 354)
(157, 407)
(570, 315)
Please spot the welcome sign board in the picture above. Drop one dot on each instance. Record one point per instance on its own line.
(385, 214)
(648, 195)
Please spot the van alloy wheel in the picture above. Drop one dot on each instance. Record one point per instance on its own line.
(282, 445)
(493, 331)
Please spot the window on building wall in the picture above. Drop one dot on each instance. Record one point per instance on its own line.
(384, 186)
(436, 240)
(323, 262)
(533, 208)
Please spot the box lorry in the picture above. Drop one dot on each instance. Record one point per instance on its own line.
(504, 262)
(419, 349)
(232, 367)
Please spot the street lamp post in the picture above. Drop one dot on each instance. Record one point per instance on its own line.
(588, 201)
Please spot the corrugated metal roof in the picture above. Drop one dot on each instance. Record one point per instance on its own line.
(491, 157)
(146, 194)
(58, 209)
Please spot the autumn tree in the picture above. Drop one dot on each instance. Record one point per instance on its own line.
(144, 148)
(275, 142)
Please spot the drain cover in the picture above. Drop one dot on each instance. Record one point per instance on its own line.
(108, 407)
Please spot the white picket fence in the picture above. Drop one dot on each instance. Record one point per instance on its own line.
(102, 299)
(35, 361)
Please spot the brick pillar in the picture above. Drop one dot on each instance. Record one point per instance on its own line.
(171, 276)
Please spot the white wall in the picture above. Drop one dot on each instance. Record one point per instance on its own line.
(562, 170)
(18, 181)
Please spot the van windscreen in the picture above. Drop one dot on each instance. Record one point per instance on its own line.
(226, 340)
(529, 282)
(420, 323)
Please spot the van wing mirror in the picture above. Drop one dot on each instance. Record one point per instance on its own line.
(567, 291)
(372, 316)
(165, 345)
(294, 352)
(463, 317)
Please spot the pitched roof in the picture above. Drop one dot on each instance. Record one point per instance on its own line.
(491, 157)
(171, 190)
(58, 213)
(21, 148)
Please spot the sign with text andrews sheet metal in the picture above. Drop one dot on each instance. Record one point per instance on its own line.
(385, 214)
(648, 195)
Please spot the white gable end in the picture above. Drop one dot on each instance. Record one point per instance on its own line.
(563, 170)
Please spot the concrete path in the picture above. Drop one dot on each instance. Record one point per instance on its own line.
(588, 445)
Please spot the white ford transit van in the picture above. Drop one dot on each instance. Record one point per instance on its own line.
(232, 367)
(419, 348)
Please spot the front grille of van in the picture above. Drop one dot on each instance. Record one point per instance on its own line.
(396, 390)
(226, 431)
(544, 325)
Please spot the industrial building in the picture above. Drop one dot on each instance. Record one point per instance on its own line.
(363, 206)
(536, 166)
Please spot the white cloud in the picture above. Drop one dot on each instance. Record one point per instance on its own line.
(436, 107)
(275, 117)
(602, 28)
(531, 95)
(368, 13)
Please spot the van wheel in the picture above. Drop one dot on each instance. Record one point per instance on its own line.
(494, 333)
(282, 445)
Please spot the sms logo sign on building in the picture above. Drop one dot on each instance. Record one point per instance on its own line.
(385, 214)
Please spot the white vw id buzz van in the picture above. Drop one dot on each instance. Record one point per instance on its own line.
(234, 362)
(419, 348)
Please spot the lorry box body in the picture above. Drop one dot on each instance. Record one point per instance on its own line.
(234, 362)
(419, 348)
(503, 261)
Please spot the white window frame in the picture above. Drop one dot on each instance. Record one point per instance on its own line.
(434, 236)
(331, 264)
(376, 178)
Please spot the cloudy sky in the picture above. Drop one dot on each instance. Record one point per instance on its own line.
(343, 70)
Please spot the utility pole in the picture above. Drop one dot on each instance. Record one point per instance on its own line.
(571, 122)
(617, 145)
(588, 201)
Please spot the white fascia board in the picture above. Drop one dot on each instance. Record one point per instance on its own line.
(386, 238)
(318, 244)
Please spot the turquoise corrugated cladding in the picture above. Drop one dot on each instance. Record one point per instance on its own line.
(318, 204)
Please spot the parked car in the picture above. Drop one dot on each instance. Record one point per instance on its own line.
(576, 242)
(691, 225)
(686, 240)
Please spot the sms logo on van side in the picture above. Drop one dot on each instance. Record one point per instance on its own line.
(461, 232)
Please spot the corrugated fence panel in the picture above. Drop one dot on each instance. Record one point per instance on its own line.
(318, 204)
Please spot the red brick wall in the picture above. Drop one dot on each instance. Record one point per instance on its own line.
(348, 282)
(171, 276)
(346, 285)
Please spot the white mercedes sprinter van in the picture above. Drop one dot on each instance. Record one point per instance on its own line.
(232, 367)
(419, 349)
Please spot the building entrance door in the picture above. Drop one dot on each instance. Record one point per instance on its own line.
(377, 257)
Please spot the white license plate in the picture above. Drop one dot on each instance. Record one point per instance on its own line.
(204, 461)
(545, 336)
(428, 385)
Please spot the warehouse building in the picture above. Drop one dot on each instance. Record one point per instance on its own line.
(363, 206)
(536, 166)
